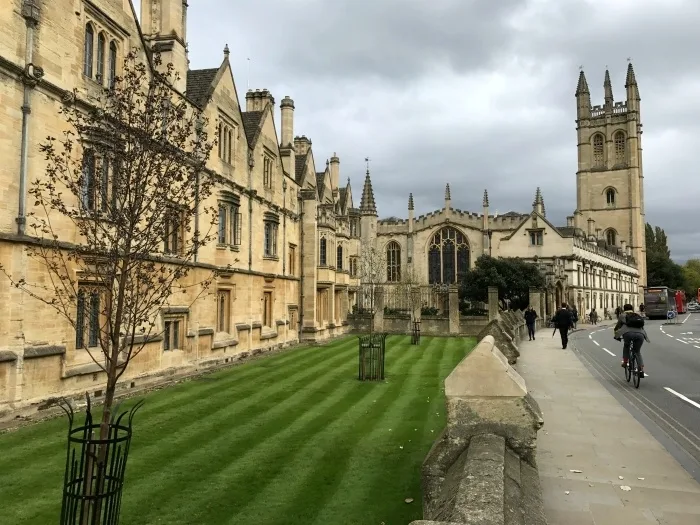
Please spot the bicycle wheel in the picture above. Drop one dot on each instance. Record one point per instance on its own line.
(635, 372)
(628, 369)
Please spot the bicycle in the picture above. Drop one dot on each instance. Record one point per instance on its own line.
(632, 370)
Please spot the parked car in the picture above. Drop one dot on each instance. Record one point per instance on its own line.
(694, 307)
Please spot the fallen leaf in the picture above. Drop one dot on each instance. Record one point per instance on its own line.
(640, 479)
(621, 477)
(576, 471)
(569, 455)
(401, 447)
(409, 500)
(567, 492)
(625, 488)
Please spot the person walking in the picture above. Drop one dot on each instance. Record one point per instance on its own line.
(562, 321)
(530, 318)
(574, 316)
(594, 316)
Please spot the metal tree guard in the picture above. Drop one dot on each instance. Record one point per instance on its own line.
(94, 475)
(371, 366)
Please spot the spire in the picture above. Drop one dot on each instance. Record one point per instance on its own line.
(367, 204)
(631, 80)
(582, 88)
(226, 51)
(447, 192)
(607, 86)
(485, 202)
(410, 201)
(538, 204)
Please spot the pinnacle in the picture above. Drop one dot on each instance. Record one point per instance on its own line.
(607, 85)
(538, 197)
(582, 88)
(410, 201)
(367, 204)
(485, 202)
(631, 80)
(447, 192)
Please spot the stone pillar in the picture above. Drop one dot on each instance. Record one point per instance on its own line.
(454, 310)
(536, 303)
(493, 303)
(379, 310)
(331, 305)
(309, 261)
(344, 305)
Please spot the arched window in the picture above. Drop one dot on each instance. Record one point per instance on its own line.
(322, 261)
(620, 149)
(89, 50)
(610, 197)
(101, 43)
(448, 257)
(339, 262)
(393, 262)
(112, 63)
(598, 156)
(611, 237)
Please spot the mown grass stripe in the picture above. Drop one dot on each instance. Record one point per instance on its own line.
(326, 465)
(246, 475)
(189, 405)
(268, 445)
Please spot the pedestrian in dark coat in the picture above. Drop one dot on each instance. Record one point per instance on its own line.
(563, 322)
(530, 318)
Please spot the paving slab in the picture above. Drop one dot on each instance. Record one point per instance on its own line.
(586, 429)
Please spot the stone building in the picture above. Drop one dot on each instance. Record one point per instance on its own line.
(287, 229)
(596, 261)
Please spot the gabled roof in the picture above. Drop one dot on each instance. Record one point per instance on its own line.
(320, 186)
(526, 218)
(252, 124)
(341, 198)
(200, 85)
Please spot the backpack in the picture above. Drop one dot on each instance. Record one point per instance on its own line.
(634, 320)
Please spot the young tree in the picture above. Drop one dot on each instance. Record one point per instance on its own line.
(372, 273)
(120, 217)
(661, 270)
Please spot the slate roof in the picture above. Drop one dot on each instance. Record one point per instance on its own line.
(341, 197)
(299, 165)
(567, 231)
(320, 187)
(199, 85)
(251, 125)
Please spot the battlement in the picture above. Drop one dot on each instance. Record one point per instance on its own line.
(469, 219)
(619, 108)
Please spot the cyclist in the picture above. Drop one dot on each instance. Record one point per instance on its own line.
(630, 328)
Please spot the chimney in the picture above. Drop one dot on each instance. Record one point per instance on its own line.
(301, 145)
(629, 251)
(570, 221)
(287, 112)
(257, 100)
(335, 171)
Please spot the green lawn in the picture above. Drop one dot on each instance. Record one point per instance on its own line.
(290, 439)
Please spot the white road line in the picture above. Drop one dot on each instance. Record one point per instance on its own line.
(681, 396)
(596, 343)
(684, 342)
(608, 351)
(684, 320)
(696, 346)
(590, 336)
(669, 335)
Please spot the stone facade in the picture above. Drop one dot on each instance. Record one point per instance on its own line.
(290, 231)
(598, 260)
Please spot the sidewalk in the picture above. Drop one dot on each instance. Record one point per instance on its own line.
(586, 429)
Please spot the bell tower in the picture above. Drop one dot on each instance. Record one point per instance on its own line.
(609, 180)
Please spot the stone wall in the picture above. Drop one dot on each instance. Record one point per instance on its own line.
(482, 470)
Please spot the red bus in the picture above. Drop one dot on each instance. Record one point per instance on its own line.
(681, 302)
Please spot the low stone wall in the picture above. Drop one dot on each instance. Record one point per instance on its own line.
(482, 470)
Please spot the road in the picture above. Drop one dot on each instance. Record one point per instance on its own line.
(667, 402)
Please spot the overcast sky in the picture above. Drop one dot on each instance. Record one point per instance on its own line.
(477, 93)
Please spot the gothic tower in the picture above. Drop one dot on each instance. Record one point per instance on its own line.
(609, 180)
(164, 26)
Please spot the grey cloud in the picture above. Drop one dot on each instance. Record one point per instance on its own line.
(349, 66)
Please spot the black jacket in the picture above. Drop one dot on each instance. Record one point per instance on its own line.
(562, 319)
(530, 316)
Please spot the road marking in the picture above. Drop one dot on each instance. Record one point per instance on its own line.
(696, 346)
(590, 336)
(669, 335)
(684, 342)
(684, 320)
(596, 343)
(681, 396)
(608, 351)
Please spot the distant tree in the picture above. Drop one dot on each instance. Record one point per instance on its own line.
(691, 275)
(661, 270)
(513, 276)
